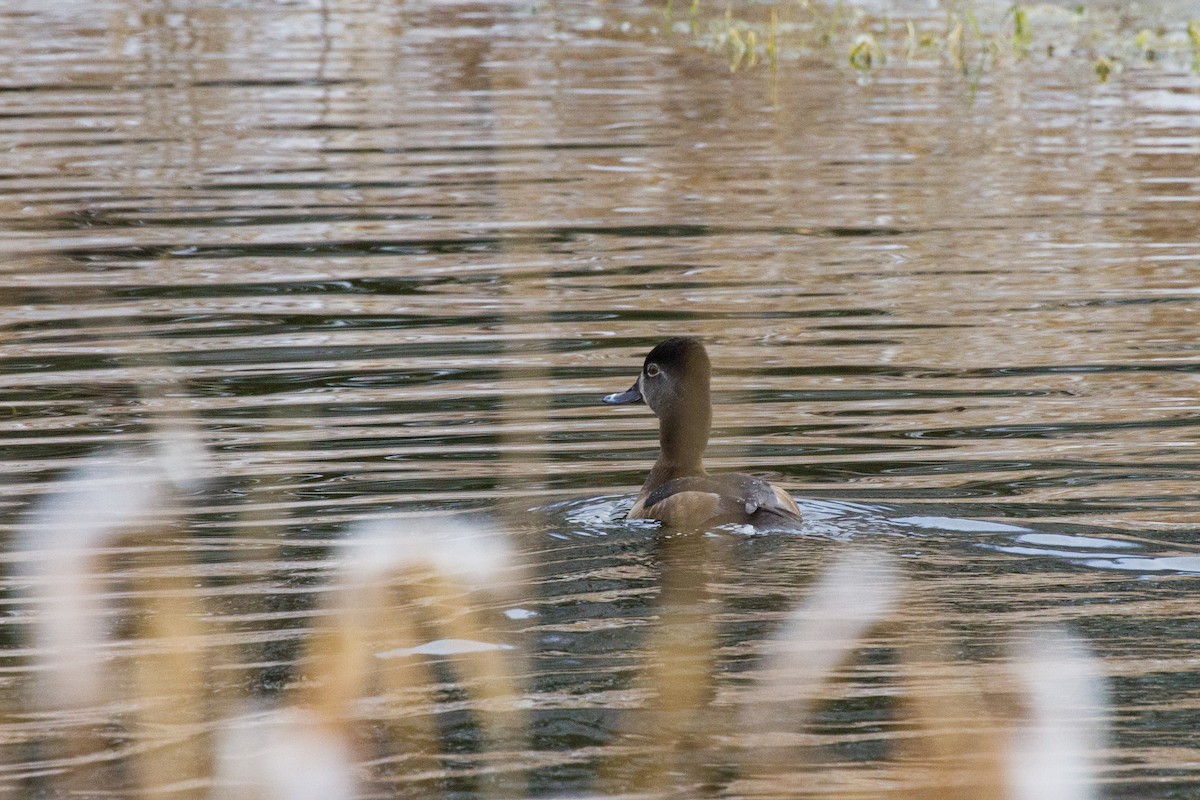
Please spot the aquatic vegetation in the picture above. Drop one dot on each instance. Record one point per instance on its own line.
(65, 552)
(283, 754)
(966, 737)
(407, 598)
(404, 592)
(866, 52)
(972, 37)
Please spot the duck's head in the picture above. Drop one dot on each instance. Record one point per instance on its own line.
(674, 380)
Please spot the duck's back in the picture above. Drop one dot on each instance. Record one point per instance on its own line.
(706, 500)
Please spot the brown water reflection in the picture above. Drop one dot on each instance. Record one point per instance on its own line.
(387, 258)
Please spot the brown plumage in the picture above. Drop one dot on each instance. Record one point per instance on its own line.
(679, 492)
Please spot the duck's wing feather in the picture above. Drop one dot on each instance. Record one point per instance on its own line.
(713, 499)
(683, 509)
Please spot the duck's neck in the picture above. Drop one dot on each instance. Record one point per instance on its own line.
(682, 438)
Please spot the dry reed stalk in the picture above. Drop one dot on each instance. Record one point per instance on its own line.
(283, 754)
(115, 500)
(397, 588)
(1031, 730)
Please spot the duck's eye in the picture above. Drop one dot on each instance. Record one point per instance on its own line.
(652, 370)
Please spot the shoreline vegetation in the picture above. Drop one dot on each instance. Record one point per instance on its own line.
(971, 37)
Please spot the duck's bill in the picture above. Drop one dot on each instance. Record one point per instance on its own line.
(621, 398)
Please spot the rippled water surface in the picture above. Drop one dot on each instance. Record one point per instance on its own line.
(388, 258)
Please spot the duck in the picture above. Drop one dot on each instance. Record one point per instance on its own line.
(679, 492)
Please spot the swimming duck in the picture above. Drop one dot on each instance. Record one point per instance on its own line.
(679, 492)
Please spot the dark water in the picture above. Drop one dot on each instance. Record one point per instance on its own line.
(388, 258)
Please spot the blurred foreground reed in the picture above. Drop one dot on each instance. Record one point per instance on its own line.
(119, 679)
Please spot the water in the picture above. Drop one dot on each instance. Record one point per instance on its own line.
(387, 260)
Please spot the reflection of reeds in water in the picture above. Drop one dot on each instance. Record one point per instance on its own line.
(409, 617)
